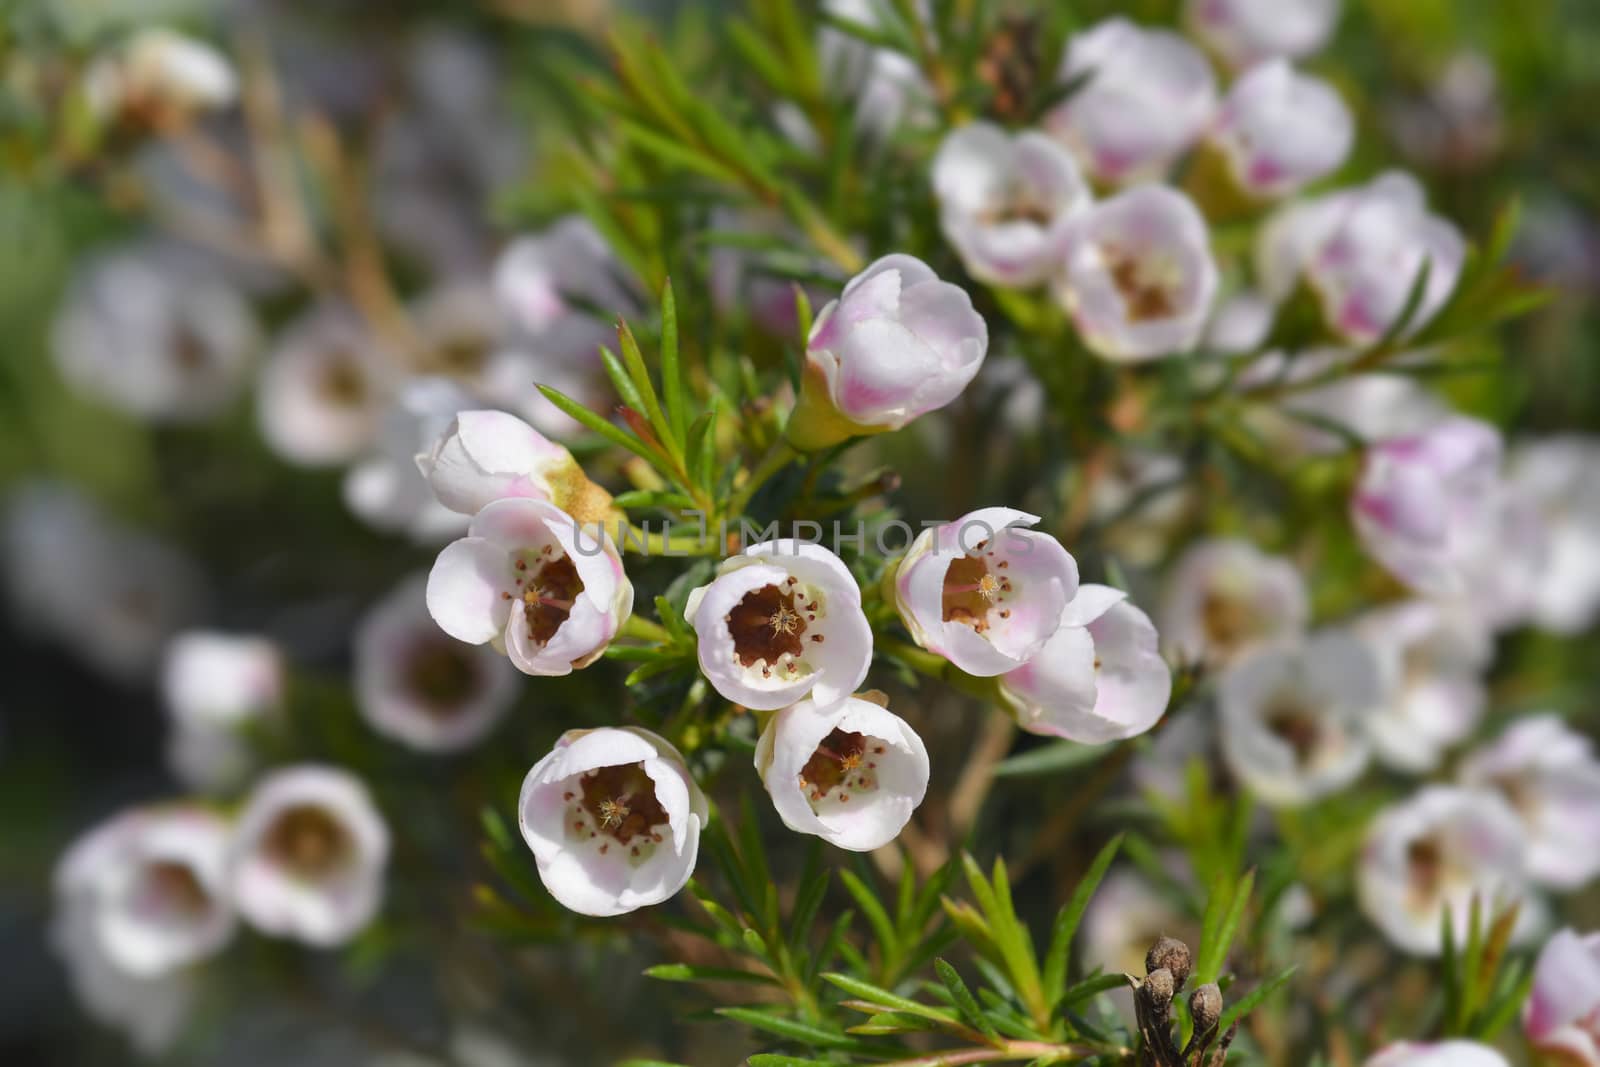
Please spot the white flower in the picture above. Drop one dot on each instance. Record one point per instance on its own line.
(1280, 130)
(898, 343)
(1362, 251)
(1225, 595)
(309, 855)
(851, 774)
(1430, 855)
(887, 85)
(1005, 201)
(386, 489)
(1549, 774)
(1430, 660)
(1561, 477)
(530, 580)
(1562, 1015)
(484, 456)
(555, 285)
(151, 1011)
(1436, 1054)
(152, 886)
(145, 333)
(110, 594)
(160, 76)
(1293, 717)
(613, 818)
(1370, 406)
(216, 687)
(421, 687)
(1139, 278)
(1425, 504)
(782, 621)
(1099, 678)
(1148, 98)
(1244, 32)
(1240, 324)
(982, 592)
(325, 388)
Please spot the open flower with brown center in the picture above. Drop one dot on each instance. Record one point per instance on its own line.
(421, 687)
(1225, 595)
(530, 581)
(309, 855)
(613, 819)
(325, 388)
(780, 622)
(1294, 716)
(1429, 856)
(852, 773)
(982, 592)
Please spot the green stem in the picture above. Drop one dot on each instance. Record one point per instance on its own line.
(642, 628)
(937, 667)
(1008, 1051)
(656, 543)
(779, 455)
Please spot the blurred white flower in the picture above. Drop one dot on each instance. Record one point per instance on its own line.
(1280, 130)
(898, 343)
(309, 855)
(1099, 678)
(851, 774)
(1294, 717)
(151, 884)
(1562, 1016)
(532, 582)
(159, 76)
(613, 818)
(1362, 251)
(385, 489)
(1368, 406)
(1240, 324)
(1430, 659)
(1224, 595)
(983, 592)
(887, 85)
(1006, 201)
(563, 284)
(1561, 477)
(110, 594)
(1148, 98)
(1139, 278)
(1457, 122)
(1436, 1054)
(145, 332)
(483, 456)
(1245, 32)
(421, 687)
(1428, 856)
(780, 622)
(325, 389)
(151, 1011)
(1549, 774)
(466, 335)
(216, 687)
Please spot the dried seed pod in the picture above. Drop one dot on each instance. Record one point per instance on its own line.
(1172, 955)
(1205, 1004)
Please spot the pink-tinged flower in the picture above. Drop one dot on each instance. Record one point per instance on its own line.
(309, 856)
(1245, 32)
(1430, 659)
(484, 456)
(561, 286)
(421, 687)
(325, 388)
(145, 332)
(385, 489)
(217, 687)
(1241, 323)
(532, 582)
(1424, 502)
(851, 774)
(1099, 678)
(152, 885)
(898, 343)
(1280, 130)
(159, 76)
(1294, 717)
(780, 622)
(1549, 774)
(1148, 98)
(1562, 1015)
(613, 818)
(1226, 595)
(1560, 476)
(1006, 201)
(984, 593)
(1369, 406)
(1429, 856)
(887, 84)
(1436, 1054)
(1139, 277)
(1362, 251)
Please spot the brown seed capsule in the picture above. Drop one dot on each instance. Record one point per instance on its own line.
(1171, 954)
(1205, 1005)
(1158, 987)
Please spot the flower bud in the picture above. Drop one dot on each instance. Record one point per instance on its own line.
(898, 343)
(1158, 988)
(1170, 955)
(1205, 1006)
(1562, 1015)
(613, 819)
(216, 686)
(159, 77)
(484, 456)
(1279, 130)
(1245, 32)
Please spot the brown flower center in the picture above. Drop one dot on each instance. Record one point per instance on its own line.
(621, 804)
(971, 591)
(769, 624)
(442, 675)
(1145, 294)
(189, 349)
(461, 357)
(548, 596)
(1227, 620)
(1425, 865)
(308, 841)
(1296, 726)
(843, 762)
(175, 885)
(342, 382)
